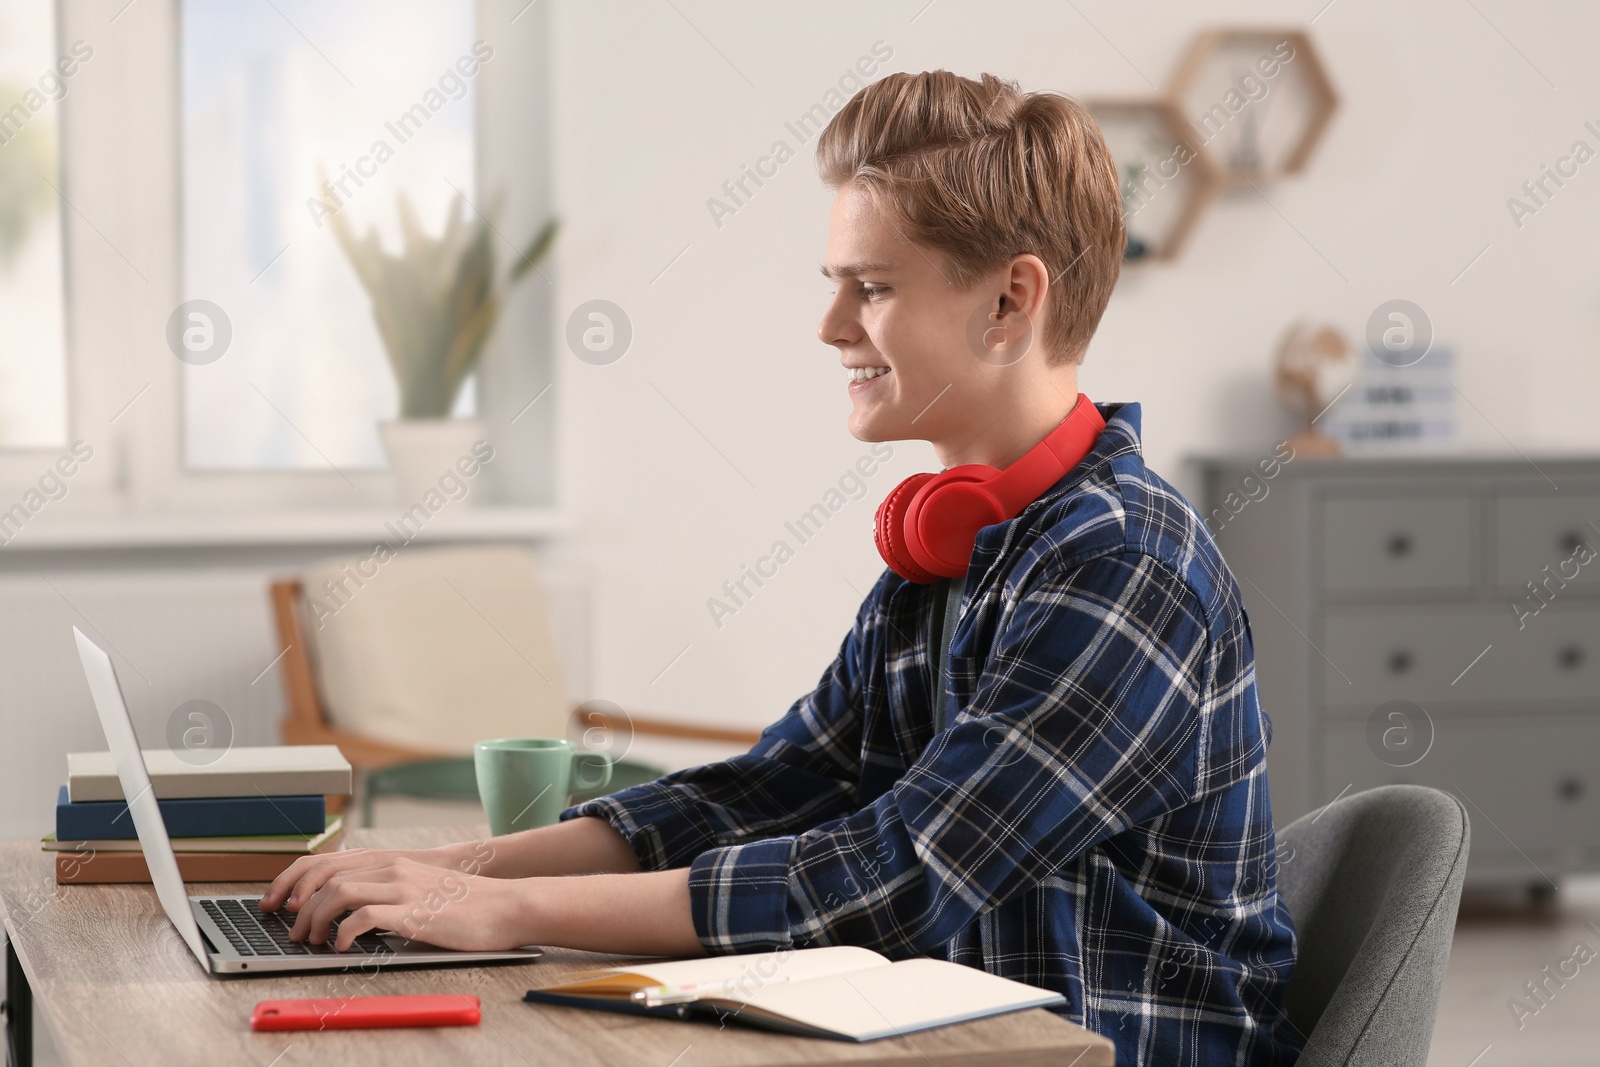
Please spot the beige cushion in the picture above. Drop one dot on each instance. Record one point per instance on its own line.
(435, 647)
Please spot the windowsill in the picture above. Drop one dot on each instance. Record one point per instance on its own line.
(178, 530)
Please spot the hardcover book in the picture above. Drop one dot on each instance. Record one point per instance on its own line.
(299, 844)
(243, 771)
(247, 816)
(107, 868)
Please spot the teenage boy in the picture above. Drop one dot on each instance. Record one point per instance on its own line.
(1083, 804)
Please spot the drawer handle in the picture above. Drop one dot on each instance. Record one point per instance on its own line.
(1399, 661)
(1399, 545)
(1570, 788)
(1569, 657)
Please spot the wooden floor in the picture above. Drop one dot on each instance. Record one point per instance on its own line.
(1501, 945)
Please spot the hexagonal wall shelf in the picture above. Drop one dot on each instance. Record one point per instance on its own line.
(1257, 100)
(1166, 177)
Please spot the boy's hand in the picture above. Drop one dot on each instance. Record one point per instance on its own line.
(416, 899)
(576, 884)
(308, 873)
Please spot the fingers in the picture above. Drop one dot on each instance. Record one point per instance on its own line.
(313, 870)
(312, 918)
(365, 918)
(273, 898)
(305, 925)
(339, 895)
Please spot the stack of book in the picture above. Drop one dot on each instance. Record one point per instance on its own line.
(241, 818)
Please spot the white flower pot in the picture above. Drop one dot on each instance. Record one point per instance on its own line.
(424, 452)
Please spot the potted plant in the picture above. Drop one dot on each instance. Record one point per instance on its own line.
(435, 303)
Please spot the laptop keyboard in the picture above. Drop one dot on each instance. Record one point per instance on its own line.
(253, 932)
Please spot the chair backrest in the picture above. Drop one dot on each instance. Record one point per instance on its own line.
(1372, 882)
(435, 647)
(308, 722)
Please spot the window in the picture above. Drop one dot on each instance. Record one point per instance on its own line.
(188, 135)
(290, 111)
(35, 75)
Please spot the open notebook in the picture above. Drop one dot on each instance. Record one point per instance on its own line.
(849, 993)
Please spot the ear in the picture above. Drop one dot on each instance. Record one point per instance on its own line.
(1014, 320)
(1027, 285)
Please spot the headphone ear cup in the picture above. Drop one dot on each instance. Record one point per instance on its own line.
(926, 527)
(942, 521)
(888, 530)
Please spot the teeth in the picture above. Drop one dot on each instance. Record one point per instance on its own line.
(861, 374)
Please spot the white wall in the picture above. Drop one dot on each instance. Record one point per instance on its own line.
(1441, 120)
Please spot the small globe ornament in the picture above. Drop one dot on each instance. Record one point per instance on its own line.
(1314, 365)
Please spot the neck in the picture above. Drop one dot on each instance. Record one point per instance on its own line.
(1016, 424)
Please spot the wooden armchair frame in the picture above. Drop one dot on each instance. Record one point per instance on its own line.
(306, 721)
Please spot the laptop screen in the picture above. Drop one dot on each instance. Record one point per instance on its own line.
(158, 856)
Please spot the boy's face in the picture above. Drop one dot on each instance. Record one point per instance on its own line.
(895, 309)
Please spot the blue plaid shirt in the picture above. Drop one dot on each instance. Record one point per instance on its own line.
(1093, 821)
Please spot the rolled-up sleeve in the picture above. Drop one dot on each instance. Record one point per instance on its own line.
(801, 772)
(1084, 720)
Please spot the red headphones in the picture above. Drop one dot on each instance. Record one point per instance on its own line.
(926, 526)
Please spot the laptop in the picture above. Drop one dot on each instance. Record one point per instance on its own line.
(231, 935)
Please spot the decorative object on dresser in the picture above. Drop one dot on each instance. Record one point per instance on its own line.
(1398, 409)
(1433, 621)
(1313, 368)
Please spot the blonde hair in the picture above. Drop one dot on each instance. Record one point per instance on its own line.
(982, 172)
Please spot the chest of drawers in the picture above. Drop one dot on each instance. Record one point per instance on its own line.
(1433, 621)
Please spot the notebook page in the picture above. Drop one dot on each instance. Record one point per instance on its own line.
(901, 998)
(738, 976)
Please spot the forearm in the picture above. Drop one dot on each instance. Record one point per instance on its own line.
(640, 914)
(575, 847)
(643, 914)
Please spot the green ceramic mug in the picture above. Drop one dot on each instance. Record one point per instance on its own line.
(524, 781)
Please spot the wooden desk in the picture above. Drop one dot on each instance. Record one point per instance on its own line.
(114, 983)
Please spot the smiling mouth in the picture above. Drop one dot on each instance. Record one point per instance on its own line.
(860, 377)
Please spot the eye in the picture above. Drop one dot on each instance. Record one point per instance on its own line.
(872, 292)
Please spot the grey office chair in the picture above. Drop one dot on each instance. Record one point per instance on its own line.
(1372, 882)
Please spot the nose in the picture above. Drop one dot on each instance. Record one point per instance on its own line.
(839, 326)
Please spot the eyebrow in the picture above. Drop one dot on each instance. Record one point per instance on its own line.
(852, 270)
